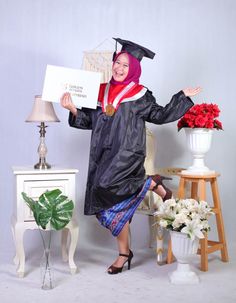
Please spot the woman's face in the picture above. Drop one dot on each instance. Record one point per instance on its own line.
(120, 68)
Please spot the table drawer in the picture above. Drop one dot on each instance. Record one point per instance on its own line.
(35, 188)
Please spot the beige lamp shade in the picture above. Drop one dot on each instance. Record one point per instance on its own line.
(42, 111)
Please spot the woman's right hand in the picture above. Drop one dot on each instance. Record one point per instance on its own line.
(67, 103)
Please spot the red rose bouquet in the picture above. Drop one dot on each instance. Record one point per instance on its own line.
(201, 116)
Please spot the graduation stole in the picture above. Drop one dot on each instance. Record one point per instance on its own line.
(110, 108)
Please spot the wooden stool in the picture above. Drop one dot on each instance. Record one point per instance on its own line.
(198, 192)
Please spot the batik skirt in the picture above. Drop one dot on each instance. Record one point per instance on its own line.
(117, 216)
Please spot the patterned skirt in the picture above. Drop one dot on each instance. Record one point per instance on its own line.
(117, 216)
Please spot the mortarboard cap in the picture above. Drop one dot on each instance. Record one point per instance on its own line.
(134, 49)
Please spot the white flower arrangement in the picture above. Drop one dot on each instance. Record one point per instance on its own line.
(188, 216)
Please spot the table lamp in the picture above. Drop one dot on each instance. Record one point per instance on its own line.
(42, 112)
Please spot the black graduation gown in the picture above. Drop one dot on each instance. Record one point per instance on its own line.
(118, 146)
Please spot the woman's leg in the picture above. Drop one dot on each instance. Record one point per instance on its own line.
(160, 189)
(123, 246)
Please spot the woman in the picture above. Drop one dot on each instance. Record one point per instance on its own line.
(116, 179)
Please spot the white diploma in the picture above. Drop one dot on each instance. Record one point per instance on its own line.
(82, 85)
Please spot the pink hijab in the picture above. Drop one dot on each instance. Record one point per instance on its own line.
(134, 70)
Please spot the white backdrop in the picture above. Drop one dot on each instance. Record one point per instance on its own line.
(194, 43)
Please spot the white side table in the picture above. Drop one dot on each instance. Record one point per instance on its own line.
(35, 182)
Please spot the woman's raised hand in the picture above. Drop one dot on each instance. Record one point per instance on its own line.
(189, 92)
(67, 103)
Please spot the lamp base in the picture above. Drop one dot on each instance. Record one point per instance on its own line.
(42, 164)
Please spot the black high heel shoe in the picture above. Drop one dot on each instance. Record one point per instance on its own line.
(158, 180)
(112, 270)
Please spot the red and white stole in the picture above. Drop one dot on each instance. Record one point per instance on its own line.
(111, 96)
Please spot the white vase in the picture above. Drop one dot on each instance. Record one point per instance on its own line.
(199, 143)
(47, 271)
(184, 250)
(46, 268)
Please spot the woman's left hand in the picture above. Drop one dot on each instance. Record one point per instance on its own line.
(189, 92)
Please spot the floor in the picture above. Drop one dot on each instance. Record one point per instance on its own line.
(145, 282)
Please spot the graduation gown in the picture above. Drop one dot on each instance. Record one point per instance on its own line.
(118, 146)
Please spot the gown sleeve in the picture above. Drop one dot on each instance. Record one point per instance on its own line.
(82, 120)
(174, 110)
(85, 116)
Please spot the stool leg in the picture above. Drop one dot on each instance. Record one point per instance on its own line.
(159, 243)
(202, 189)
(194, 190)
(204, 253)
(152, 227)
(219, 221)
(181, 188)
(170, 256)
